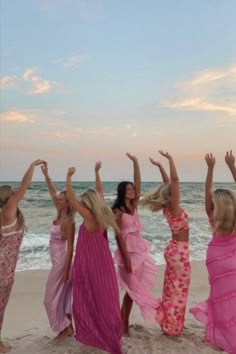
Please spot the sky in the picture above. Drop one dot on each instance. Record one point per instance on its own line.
(89, 80)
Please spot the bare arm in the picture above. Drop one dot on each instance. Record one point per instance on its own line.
(174, 180)
(137, 176)
(163, 172)
(70, 235)
(230, 160)
(98, 182)
(84, 212)
(121, 243)
(51, 187)
(210, 160)
(18, 195)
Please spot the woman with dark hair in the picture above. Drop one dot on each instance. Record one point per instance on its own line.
(58, 293)
(136, 269)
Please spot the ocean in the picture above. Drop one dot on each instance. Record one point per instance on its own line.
(39, 213)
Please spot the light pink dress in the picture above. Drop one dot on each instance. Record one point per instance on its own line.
(218, 313)
(58, 296)
(140, 282)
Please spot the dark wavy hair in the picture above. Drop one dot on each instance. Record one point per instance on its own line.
(119, 203)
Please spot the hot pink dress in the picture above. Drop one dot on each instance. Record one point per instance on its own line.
(140, 282)
(218, 313)
(96, 307)
(58, 296)
(10, 241)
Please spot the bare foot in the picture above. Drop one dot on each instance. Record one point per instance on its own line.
(4, 348)
(67, 332)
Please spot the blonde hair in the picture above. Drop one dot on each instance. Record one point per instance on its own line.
(224, 213)
(101, 211)
(70, 210)
(5, 194)
(157, 198)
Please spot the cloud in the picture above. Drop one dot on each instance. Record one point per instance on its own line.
(16, 117)
(209, 76)
(198, 104)
(39, 85)
(209, 91)
(8, 82)
(73, 60)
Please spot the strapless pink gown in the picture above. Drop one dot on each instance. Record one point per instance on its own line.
(58, 296)
(218, 313)
(140, 282)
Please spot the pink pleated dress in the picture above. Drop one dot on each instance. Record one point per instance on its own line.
(58, 296)
(140, 282)
(96, 307)
(218, 313)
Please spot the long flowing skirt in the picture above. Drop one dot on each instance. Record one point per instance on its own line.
(9, 251)
(96, 307)
(171, 311)
(218, 313)
(58, 295)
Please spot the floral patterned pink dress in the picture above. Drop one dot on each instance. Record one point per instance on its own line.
(10, 241)
(171, 311)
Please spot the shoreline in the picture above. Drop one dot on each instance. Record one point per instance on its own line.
(27, 330)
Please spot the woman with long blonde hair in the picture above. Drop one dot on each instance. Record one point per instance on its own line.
(96, 309)
(171, 310)
(12, 226)
(218, 313)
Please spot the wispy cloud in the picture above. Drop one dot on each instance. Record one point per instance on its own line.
(16, 117)
(73, 60)
(209, 76)
(39, 85)
(8, 82)
(209, 90)
(30, 76)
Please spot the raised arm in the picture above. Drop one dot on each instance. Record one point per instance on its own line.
(163, 172)
(18, 195)
(137, 175)
(98, 182)
(174, 180)
(210, 160)
(230, 160)
(84, 212)
(51, 187)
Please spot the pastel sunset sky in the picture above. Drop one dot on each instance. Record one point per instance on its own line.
(88, 80)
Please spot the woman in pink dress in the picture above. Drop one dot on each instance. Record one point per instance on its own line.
(58, 293)
(136, 269)
(218, 313)
(12, 227)
(171, 310)
(96, 308)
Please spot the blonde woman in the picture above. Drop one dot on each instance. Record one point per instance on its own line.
(12, 227)
(171, 310)
(58, 293)
(218, 313)
(96, 307)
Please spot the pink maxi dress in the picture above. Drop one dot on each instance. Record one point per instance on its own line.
(140, 282)
(96, 307)
(218, 313)
(58, 296)
(10, 241)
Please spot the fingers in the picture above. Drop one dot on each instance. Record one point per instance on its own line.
(98, 165)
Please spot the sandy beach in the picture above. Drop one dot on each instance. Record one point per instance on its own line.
(27, 330)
